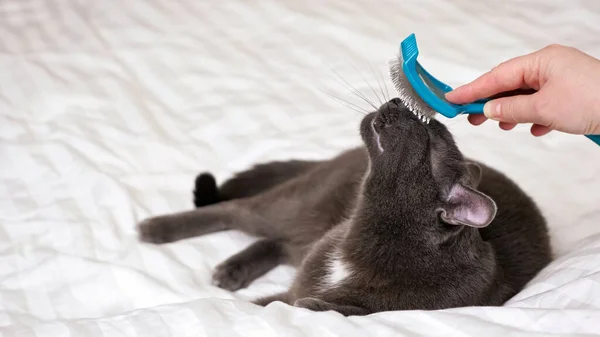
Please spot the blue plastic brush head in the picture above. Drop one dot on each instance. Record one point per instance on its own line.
(420, 90)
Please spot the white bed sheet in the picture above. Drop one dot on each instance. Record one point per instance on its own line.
(108, 109)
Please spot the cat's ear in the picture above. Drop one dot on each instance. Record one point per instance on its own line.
(469, 207)
(472, 176)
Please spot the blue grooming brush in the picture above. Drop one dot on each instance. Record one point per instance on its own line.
(424, 94)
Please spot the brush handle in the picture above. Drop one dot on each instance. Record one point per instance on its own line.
(477, 106)
(594, 138)
(473, 108)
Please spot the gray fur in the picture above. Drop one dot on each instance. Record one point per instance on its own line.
(417, 225)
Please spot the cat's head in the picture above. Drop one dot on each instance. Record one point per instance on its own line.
(418, 174)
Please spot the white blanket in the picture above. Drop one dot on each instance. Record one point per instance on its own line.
(109, 108)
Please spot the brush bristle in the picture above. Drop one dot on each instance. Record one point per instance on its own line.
(406, 93)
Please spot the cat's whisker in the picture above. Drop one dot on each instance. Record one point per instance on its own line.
(385, 84)
(368, 101)
(382, 99)
(387, 98)
(346, 103)
(353, 89)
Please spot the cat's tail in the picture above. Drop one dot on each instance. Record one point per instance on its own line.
(206, 191)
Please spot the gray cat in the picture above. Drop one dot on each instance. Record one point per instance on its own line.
(405, 222)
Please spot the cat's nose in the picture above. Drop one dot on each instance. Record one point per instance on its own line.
(390, 110)
(394, 103)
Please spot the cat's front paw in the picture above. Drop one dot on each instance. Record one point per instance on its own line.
(231, 276)
(155, 230)
(315, 304)
(311, 303)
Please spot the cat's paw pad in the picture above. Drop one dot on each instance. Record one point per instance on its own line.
(154, 230)
(231, 276)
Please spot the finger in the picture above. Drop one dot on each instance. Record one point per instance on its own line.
(539, 130)
(477, 119)
(517, 109)
(507, 126)
(517, 73)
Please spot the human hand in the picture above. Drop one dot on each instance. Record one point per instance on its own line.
(566, 84)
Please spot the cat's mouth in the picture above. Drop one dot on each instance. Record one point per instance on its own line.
(391, 124)
(376, 136)
(389, 119)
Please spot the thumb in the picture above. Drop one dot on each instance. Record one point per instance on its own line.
(514, 109)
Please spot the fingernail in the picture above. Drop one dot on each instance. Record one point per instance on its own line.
(491, 110)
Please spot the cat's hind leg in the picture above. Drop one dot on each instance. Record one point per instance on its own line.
(197, 222)
(241, 269)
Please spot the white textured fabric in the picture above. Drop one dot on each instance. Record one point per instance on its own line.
(108, 109)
